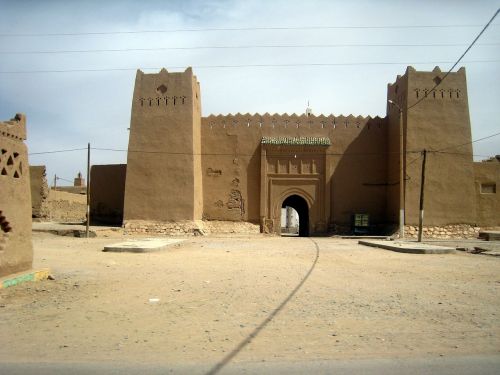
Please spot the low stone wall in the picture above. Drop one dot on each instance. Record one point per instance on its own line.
(66, 207)
(189, 227)
(444, 232)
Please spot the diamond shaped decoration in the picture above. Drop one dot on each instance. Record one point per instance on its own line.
(162, 88)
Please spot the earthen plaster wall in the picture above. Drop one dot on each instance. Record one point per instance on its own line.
(397, 93)
(163, 159)
(16, 251)
(487, 183)
(107, 190)
(39, 191)
(182, 166)
(439, 122)
(355, 172)
(66, 207)
(72, 189)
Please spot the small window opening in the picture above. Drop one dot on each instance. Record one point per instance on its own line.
(488, 188)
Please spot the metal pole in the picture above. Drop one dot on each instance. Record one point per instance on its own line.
(401, 177)
(422, 183)
(88, 192)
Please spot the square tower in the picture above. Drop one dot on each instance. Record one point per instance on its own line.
(163, 181)
(438, 121)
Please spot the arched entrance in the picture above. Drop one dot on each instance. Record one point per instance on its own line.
(299, 204)
(293, 174)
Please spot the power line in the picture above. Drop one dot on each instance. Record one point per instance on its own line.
(206, 154)
(265, 28)
(242, 66)
(456, 63)
(458, 153)
(232, 154)
(341, 45)
(468, 143)
(63, 179)
(239, 154)
(57, 151)
(406, 177)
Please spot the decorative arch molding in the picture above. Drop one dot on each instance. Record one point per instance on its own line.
(295, 191)
(302, 206)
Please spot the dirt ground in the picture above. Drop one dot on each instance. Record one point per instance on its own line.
(216, 293)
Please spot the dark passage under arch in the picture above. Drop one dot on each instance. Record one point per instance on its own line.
(300, 205)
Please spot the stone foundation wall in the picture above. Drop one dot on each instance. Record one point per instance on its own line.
(201, 227)
(188, 227)
(444, 232)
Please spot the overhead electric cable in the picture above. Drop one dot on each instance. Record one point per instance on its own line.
(456, 63)
(240, 66)
(63, 179)
(459, 153)
(258, 46)
(265, 28)
(57, 151)
(467, 143)
(232, 154)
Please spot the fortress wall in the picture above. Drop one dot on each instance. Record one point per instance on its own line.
(107, 190)
(231, 161)
(487, 186)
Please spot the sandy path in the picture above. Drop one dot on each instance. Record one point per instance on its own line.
(359, 302)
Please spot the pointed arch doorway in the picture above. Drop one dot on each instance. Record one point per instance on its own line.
(300, 205)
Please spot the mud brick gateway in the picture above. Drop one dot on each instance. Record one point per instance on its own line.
(184, 168)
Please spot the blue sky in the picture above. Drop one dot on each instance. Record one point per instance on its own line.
(66, 110)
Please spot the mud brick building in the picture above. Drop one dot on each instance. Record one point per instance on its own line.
(183, 167)
(16, 251)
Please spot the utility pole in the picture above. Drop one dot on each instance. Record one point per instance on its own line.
(55, 181)
(88, 191)
(401, 177)
(422, 184)
(401, 172)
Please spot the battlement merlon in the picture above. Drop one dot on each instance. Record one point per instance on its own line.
(166, 89)
(164, 74)
(410, 70)
(427, 87)
(266, 120)
(15, 127)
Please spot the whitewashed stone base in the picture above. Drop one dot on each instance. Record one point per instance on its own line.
(444, 232)
(189, 227)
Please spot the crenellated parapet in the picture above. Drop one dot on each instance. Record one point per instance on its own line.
(14, 128)
(425, 85)
(292, 121)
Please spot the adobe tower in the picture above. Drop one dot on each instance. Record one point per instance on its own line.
(163, 181)
(436, 120)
